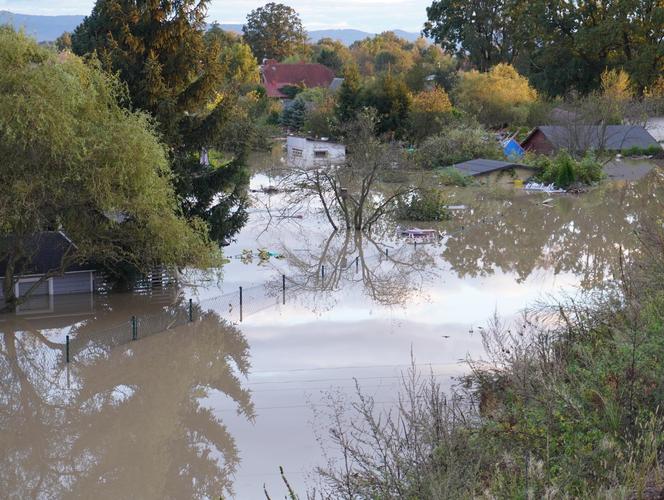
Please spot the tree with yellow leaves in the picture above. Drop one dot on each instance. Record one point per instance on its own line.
(429, 112)
(616, 85)
(497, 98)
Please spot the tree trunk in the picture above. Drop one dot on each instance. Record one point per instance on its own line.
(8, 291)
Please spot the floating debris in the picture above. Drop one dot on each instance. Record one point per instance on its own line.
(417, 235)
(543, 188)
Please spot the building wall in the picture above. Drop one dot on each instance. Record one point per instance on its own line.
(305, 153)
(70, 283)
(73, 283)
(538, 143)
(505, 177)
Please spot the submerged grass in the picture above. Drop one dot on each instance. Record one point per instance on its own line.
(566, 404)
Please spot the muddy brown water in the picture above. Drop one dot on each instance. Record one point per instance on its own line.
(216, 406)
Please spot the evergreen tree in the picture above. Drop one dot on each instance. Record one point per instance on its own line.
(159, 51)
(348, 98)
(294, 115)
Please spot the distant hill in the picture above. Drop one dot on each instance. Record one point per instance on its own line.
(345, 36)
(48, 28)
(43, 28)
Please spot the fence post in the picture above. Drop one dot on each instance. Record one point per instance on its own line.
(322, 272)
(134, 328)
(283, 288)
(386, 252)
(67, 349)
(240, 303)
(357, 263)
(191, 311)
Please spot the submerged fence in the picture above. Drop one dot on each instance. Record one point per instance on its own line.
(233, 306)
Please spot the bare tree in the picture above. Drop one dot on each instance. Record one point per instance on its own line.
(388, 278)
(347, 193)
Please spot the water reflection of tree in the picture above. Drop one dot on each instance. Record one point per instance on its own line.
(356, 258)
(581, 235)
(124, 422)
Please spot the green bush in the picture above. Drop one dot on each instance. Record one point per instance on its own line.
(456, 144)
(637, 151)
(423, 205)
(563, 170)
(450, 176)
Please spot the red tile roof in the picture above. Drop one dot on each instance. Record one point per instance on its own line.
(277, 75)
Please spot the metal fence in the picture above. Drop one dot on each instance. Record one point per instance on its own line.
(233, 306)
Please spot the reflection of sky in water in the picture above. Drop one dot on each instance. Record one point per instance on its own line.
(181, 399)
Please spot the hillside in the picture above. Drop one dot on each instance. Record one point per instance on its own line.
(43, 28)
(48, 28)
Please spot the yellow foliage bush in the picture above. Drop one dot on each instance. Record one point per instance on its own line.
(656, 90)
(497, 98)
(430, 110)
(617, 85)
(431, 101)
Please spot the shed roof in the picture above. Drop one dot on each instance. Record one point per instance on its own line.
(277, 75)
(49, 248)
(336, 84)
(483, 166)
(582, 137)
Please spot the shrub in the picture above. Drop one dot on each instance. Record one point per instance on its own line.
(450, 176)
(291, 91)
(423, 205)
(320, 120)
(563, 170)
(455, 144)
(637, 151)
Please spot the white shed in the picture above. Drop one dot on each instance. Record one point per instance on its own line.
(306, 152)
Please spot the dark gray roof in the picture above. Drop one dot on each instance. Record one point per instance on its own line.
(482, 166)
(47, 251)
(610, 137)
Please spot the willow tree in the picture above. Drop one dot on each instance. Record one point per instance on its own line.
(75, 160)
(158, 49)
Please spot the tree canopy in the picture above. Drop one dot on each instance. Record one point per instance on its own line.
(274, 31)
(561, 46)
(75, 160)
(498, 97)
(173, 72)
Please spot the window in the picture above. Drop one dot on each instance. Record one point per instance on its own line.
(320, 154)
(297, 153)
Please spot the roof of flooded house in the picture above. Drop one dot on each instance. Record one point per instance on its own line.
(48, 248)
(277, 75)
(483, 166)
(336, 84)
(609, 137)
(314, 139)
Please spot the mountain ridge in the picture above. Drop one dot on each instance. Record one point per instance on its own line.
(48, 28)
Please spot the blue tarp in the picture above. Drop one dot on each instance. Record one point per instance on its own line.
(511, 148)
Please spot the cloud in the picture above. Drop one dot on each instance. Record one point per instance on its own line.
(368, 15)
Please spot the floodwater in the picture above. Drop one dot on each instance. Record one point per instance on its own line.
(213, 407)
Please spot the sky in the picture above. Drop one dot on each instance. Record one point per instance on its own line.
(368, 15)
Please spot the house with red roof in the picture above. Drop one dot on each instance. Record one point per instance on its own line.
(276, 76)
